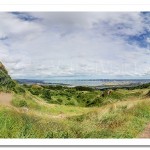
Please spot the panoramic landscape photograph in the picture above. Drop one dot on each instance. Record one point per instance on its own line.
(75, 75)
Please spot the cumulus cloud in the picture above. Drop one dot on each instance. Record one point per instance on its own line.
(78, 44)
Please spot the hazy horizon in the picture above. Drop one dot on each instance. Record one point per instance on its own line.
(93, 45)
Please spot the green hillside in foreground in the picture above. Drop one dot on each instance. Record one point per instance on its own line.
(5, 80)
(7, 84)
(41, 111)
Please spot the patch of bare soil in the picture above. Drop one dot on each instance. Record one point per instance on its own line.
(5, 98)
(145, 133)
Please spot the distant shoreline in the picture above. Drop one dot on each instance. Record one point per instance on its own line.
(104, 83)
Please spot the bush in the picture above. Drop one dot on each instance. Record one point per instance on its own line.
(96, 101)
(23, 103)
(53, 87)
(34, 92)
(19, 89)
(46, 94)
(35, 89)
(83, 88)
(19, 103)
(59, 101)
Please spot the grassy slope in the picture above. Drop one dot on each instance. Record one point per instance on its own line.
(122, 119)
(6, 83)
(74, 97)
(81, 114)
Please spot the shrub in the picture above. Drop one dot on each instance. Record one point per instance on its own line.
(19, 103)
(83, 88)
(19, 89)
(46, 94)
(23, 103)
(59, 101)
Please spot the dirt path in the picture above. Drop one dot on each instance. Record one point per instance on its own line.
(146, 132)
(5, 98)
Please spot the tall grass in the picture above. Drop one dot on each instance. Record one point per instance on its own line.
(119, 123)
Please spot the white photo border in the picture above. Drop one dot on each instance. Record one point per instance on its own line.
(75, 6)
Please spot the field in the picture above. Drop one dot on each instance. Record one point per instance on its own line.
(37, 111)
(79, 74)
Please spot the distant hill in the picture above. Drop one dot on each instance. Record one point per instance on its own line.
(5, 80)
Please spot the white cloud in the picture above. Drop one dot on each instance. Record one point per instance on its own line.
(71, 44)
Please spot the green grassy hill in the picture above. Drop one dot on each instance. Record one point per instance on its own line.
(40, 111)
(6, 83)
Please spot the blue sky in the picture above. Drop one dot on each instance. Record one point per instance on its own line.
(44, 45)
